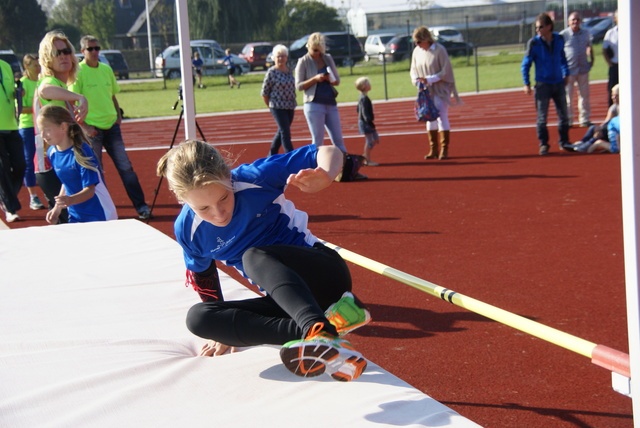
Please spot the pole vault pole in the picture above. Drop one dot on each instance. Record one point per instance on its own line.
(603, 356)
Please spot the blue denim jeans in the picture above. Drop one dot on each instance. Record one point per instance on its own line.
(321, 116)
(545, 92)
(283, 118)
(111, 140)
(29, 139)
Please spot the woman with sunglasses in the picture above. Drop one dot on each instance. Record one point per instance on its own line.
(316, 75)
(59, 67)
(430, 65)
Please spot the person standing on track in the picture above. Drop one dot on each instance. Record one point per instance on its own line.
(610, 53)
(546, 51)
(431, 66)
(97, 82)
(579, 53)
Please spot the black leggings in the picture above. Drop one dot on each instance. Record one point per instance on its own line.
(301, 283)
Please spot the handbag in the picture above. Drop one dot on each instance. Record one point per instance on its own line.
(351, 168)
(425, 108)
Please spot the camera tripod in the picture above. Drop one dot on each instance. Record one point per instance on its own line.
(173, 140)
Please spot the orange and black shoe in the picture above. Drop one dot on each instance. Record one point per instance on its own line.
(321, 352)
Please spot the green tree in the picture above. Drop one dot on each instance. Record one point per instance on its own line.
(233, 20)
(163, 19)
(99, 20)
(21, 25)
(300, 17)
(68, 12)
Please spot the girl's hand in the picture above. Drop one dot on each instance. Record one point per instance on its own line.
(310, 180)
(52, 215)
(213, 349)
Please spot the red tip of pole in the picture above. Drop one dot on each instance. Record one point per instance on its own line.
(611, 359)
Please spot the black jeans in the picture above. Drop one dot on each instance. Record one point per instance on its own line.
(12, 167)
(284, 119)
(613, 81)
(301, 283)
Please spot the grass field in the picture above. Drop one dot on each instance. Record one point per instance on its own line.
(155, 97)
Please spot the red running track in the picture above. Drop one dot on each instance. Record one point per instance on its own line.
(537, 236)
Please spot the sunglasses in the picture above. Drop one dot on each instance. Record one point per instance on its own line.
(92, 48)
(65, 51)
(540, 27)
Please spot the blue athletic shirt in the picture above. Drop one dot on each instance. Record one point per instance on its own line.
(261, 215)
(74, 178)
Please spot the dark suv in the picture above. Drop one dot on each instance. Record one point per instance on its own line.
(401, 47)
(343, 47)
(12, 59)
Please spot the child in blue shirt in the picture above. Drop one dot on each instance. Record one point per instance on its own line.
(242, 218)
(83, 192)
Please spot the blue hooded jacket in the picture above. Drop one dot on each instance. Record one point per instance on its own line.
(551, 63)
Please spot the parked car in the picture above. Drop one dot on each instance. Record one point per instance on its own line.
(168, 62)
(401, 47)
(343, 47)
(118, 63)
(598, 27)
(207, 42)
(457, 48)
(256, 54)
(11, 58)
(375, 45)
(447, 34)
(103, 59)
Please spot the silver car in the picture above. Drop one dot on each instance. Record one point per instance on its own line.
(168, 62)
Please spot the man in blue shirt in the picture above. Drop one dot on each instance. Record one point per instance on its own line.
(546, 51)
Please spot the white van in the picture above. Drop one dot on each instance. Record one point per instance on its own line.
(168, 62)
(446, 34)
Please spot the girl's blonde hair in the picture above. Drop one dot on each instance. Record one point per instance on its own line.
(316, 41)
(192, 165)
(47, 52)
(361, 83)
(27, 61)
(59, 115)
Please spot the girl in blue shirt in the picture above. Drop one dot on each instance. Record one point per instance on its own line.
(242, 218)
(83, 192)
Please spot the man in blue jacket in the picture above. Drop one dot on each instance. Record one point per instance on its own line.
(546, 51)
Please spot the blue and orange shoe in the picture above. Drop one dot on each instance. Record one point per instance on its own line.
(321, 352)
(346, 315)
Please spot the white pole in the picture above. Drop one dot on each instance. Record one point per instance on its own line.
(149, 40)
(629, 36)
(186, 70)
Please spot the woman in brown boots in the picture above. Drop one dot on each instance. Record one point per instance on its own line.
(430, 65)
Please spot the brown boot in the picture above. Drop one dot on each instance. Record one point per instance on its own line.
(433, 145)
(444, 145)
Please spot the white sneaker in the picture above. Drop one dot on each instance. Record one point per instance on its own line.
(11, 217)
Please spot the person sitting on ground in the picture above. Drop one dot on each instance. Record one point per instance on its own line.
(598, 133)
(242, 217)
